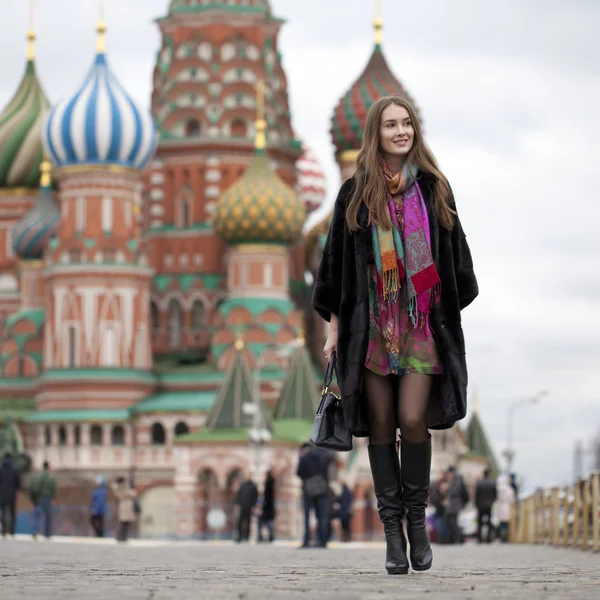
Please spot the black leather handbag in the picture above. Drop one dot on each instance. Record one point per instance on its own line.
(329, 429)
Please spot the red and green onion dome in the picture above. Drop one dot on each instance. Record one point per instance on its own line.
(259, 207)
(350, 116)
(248, 6)
(21, 124)
(31, 234)
(312, 183)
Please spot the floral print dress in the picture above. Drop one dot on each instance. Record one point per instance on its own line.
(398, 348)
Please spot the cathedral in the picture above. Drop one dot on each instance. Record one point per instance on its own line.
(155, 276)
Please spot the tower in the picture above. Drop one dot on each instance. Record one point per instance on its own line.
(259, 217)
(350, 115)
(21, 153)
(30, 238)
(97, 273)
(212, 54)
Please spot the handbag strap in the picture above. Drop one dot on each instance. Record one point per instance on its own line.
(331, 367)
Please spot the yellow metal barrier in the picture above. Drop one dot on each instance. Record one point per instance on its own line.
(568, 516)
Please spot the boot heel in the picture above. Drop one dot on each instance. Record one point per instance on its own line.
(422, 567)
(397, 570)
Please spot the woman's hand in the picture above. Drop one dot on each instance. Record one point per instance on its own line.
(332, 338)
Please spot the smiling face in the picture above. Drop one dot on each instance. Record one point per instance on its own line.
(396, 133)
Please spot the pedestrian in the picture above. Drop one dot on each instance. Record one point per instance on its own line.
(267, 515)
(98, 506)
(505, 498)
(485, 496)
(395, 273)
(437, 497)
(245, 502)
(10, 484)
(42, 492)
(313, 470)
(345, 501)
(126, 497)
(456, 498)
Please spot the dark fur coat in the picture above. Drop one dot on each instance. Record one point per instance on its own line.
(341, 288)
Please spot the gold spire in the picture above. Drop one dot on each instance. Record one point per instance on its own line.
(46, 170)
(101, 29)
(301, 335)
(475, 401)
(239, 342)
(261, 125)
(378, 23)
(31, 32)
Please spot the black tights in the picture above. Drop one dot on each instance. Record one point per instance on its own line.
(394, 402)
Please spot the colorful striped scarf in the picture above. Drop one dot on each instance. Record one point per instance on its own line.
(406, 257)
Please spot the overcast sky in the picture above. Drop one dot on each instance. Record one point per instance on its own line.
(509, 92)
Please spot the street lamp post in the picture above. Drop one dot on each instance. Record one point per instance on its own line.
(510, 453)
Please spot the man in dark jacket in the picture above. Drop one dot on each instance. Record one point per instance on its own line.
(245, 501)
(313, 470)
(456, 498)
(485, 496)
(10, 483)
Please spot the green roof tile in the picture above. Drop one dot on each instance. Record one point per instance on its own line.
(299, 397)
(478, 442)
(237, 390)
(37, 315)
(176, 402)
(79, 416)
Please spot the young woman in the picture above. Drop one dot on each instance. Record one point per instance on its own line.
(395, 273)
(125, 495)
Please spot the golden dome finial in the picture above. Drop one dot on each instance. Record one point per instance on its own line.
(31, 33)
(378, 23)
(261, 125)
(239, 342)
(301, 335)
(101, 29)
(46, 171)
(475, 401)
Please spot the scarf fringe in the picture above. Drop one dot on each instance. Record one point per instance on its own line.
(391, 285)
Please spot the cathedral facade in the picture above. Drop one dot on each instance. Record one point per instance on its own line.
(155, 274)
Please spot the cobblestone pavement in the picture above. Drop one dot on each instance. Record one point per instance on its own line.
(74, 570)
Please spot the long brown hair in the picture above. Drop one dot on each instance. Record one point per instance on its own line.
(370, 185)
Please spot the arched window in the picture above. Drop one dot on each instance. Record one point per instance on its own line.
(154, 316)
(48, 435)
(158, 434)
(198, 316)
(96, 435)
(62, 436)
(77, 435)
(175, 316)
(185, 213)
(193, 128)
(239, 128)
(117, 436)
(181, 428)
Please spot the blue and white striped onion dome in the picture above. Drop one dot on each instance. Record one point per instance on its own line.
(100, 125)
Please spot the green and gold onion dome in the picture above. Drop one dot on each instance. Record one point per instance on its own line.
(21, 125)
(377, 80)
(260, 206)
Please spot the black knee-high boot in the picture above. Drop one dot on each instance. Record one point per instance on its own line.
(386, 477)
(416, 464)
